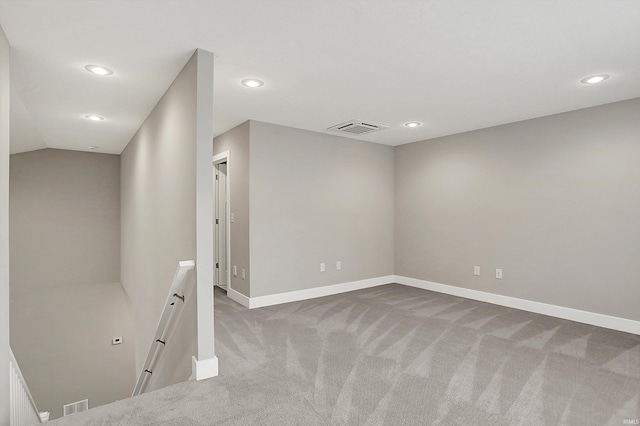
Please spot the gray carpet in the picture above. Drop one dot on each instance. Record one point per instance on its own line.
(396, 355)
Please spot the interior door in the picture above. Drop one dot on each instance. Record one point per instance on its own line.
(220, 225)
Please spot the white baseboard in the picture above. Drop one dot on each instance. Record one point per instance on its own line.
(600, 320)
(204, 369)
(238, 297)
(311, 293)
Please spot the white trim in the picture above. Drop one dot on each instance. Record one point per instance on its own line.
(221, 158)
(311, 293)
(592, 318)
(204, 369)
(600, 320)
(238, 297)
(21, 403)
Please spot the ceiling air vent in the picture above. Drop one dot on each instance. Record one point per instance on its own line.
(75, 407)
(357, 127)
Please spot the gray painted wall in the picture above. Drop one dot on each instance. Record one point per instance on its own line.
(66, 300)
(5, 88)
(318, 198)
(553, 201)
(65, 219)
(158, 213)
(236, 141)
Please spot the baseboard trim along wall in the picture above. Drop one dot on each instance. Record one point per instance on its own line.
(238, 297)
(311, 293)
(600, 320)
(203, 369)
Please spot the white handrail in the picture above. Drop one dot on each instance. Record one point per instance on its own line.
(23, 410)
(176, 285)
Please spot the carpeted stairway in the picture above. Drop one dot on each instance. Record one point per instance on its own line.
(396, 355)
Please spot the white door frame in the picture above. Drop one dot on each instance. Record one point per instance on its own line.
(217, 159)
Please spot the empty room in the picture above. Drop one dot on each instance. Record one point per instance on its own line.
(363, 212)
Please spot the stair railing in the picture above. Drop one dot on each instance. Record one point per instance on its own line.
(23, 410)
(159, 339)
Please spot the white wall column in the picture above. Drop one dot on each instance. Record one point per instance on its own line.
(206, 364)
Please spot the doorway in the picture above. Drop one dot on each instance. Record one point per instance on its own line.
(221, 224)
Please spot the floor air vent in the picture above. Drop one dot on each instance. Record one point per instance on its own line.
(357, 127)
(75, 407)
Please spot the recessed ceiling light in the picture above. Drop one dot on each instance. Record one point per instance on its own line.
(413, 124)
(252, 83)
(98, 69)
(93, 117)
(594, 79)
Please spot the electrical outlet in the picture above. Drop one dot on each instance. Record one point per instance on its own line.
(233, 217)
(499, 274)
(116, 340)
(244, 274)
(323, 267)
(338, 265)
(476, 270)
(235, 271)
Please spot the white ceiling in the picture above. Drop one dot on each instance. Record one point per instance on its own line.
(454, 65)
